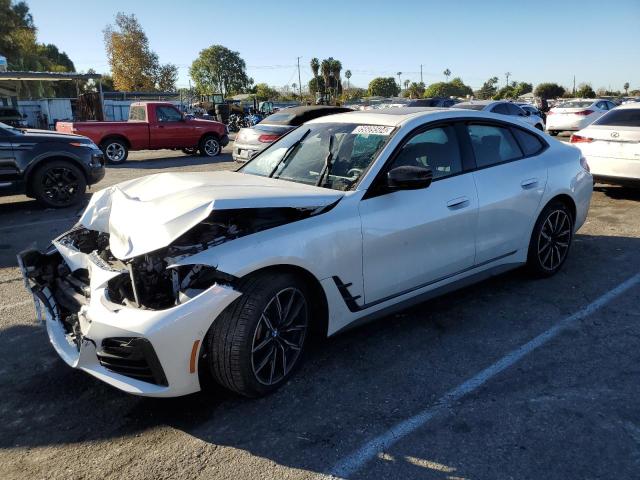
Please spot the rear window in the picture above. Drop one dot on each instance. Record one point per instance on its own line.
(623, 117)
(279, 118)
(138, 114)
(529, 142)
(470, 106)
(574, 105)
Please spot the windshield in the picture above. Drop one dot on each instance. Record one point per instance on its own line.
(331, 155)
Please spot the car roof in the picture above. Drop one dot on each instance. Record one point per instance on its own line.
(299, 115)
(395, 116)
(629, 105)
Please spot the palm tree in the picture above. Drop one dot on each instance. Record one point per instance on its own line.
(336, 68)
(447, 72)
(626, 88)
(347, 74)
(406, 84)
(294, 85)
(315, 66)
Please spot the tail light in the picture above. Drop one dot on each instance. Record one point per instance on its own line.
(584, 164)
(266, 138)
(580, 139)
(584, 112)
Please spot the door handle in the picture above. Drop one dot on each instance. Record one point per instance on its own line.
(529, 183)
(459, 202)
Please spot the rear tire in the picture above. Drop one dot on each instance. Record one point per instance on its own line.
(58, 184)
(551, 240)
(115, 150)
(210, 146)
(553, 133)
(257, 343)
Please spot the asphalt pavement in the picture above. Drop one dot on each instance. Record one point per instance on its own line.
(375, 402)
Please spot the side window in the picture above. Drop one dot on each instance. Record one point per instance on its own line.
(514, 110)
(436, 148)
(529, 143)
(602, 105)
(167, 114)
(500, 108)
(492, 145)
(611, 105)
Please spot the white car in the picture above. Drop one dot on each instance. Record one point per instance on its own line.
(575, 115)
(347, 218)
(611, 145)
(503, 108)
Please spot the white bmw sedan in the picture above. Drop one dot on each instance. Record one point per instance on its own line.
(611, 145)
(174, 276)
(574, 115)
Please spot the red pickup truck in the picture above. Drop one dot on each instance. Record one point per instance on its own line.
(152, 126)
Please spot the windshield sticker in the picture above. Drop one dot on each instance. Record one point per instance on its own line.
(372, 130)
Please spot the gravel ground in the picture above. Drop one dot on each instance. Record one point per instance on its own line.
(567, 410)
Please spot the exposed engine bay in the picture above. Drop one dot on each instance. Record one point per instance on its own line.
(150, 281)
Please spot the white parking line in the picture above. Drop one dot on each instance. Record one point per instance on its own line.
(40, 222)
(13, 305)
(369, 450)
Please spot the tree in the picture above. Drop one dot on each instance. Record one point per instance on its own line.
(415, 90)
(513, 91)
(347, 75)
(488, 89)
(134, 66)
(548, 90)
(446, 73)
(407, 82)
(353, 94)
(585, 91)
(265, 92)
(384, 87)
(316, 85)
(454, 88)
(626, 88)
(166, 77)
(219, 70)
(315, 66)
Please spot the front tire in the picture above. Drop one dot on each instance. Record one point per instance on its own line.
(58, 184)
(210, 146)
(257, 343)
(551, 240)
(115, 151)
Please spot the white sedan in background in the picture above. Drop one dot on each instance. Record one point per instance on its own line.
(611, 146)
(173, 276)
(576, 114)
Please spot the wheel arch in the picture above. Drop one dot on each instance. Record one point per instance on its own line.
(210, 133)
(321, 306)
(567, 200)
(42, 161)
(115, 136)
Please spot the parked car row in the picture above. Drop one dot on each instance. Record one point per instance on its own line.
(574, 115)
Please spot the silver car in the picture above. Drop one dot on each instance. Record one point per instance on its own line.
(251, 141)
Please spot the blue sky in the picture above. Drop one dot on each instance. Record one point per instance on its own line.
(536, 41)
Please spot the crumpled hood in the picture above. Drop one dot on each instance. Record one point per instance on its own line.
(148, 213)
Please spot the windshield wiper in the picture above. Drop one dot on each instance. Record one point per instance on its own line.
(288, 152)
(328, 163)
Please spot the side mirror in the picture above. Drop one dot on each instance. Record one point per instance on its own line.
(409, 178)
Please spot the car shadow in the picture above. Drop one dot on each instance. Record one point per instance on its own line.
(349, 388)
(619, 193)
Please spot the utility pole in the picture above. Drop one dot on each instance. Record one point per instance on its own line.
(574, 85)
(421, 81)
(508, 74)
(299, 82)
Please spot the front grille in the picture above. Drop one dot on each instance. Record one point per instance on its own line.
(132, 357)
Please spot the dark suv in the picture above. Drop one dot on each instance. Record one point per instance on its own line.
(54, 168)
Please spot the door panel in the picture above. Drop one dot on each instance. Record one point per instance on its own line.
(414, 237)
(508, 196)
(8, 167)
